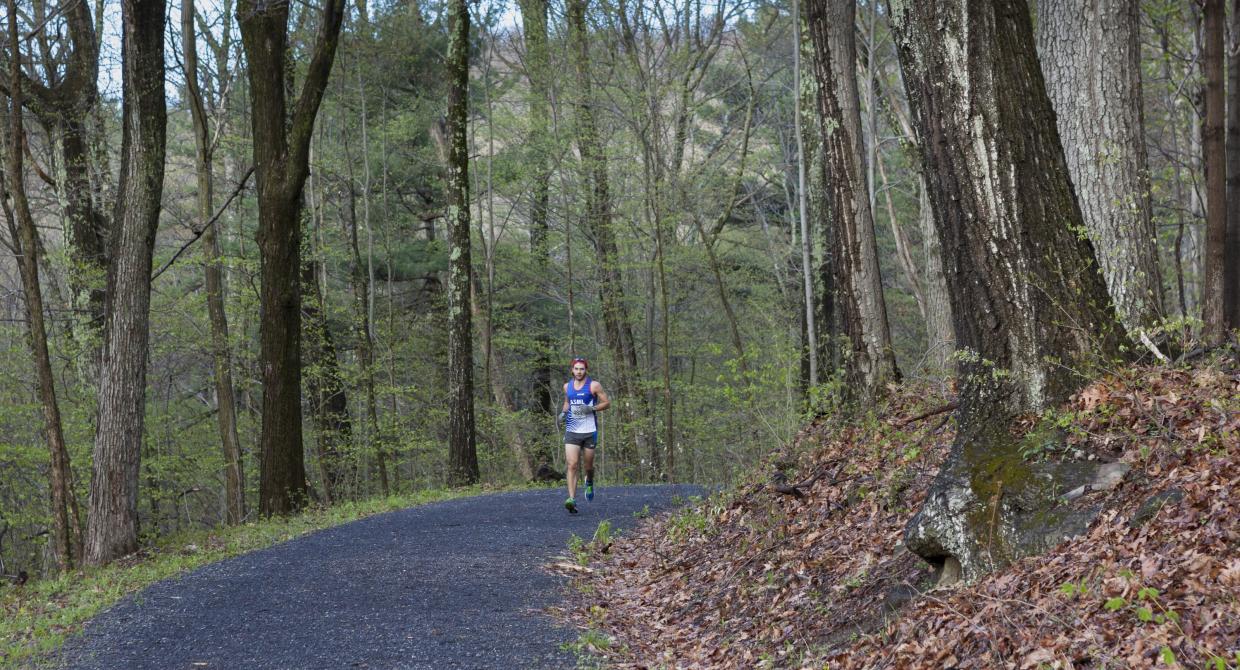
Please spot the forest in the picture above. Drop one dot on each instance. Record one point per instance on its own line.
(264, 256)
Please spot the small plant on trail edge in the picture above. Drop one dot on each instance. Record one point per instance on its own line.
(602, 534)
(577, 546)
(587, 647)
(643, 513)
(581, 550)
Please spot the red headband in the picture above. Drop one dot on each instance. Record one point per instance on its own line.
(580, 360)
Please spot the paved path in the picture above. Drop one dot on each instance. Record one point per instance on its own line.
(457, 584)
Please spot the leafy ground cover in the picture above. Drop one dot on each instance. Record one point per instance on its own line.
(36, 619)
(772, 574)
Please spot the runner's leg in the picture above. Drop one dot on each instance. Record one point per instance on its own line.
(589, 464)
(571, 454)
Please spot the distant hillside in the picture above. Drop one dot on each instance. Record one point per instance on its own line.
(803, 566)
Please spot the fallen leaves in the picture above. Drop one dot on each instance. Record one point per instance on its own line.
(774, 580)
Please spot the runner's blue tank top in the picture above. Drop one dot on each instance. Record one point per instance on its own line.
(580, 396)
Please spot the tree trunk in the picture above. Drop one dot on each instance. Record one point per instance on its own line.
(940, 337)
(462, 441)
(26, 243)
(234, 478)
(871, 363)
(619, 333)
(112, 525)
(281, 164)
(1032, 315)
(807, 277)
(1214, 327)
(1091, 58)
(1231, 260)
(538, 71)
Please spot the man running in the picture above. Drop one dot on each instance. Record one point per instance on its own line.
(582, 398)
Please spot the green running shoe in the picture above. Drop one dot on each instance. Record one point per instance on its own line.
(571, 505)
(589, 489)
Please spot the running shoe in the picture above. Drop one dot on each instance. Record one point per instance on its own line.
(571, 505)
(589, 489)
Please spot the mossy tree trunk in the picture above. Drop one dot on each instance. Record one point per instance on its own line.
(112, 525)
(1031, 311)
(66, 101)
(462, 439)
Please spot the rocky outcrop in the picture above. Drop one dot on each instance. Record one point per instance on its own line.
(991, 505)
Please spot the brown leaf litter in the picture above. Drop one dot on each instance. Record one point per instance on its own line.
(818, 578)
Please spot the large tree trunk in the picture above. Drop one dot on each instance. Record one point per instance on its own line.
(1214, 327)
(26, 244)
(462, 440)
(618, 329)
(1032, 314)
(1231, 260)
(940, 336)
(281, 164)
(871, 362)
(1092, 62)
(226, 404)
(112, 525)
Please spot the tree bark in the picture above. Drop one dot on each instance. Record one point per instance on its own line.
(26, 243)
(226, 404)
(1031, 311)
(1091, 58)
(462, 440)
(1231, 259)
(112, 525)
(940, 336)
(281, 165)
(871, 362)
(1214, 327)
(807, 278)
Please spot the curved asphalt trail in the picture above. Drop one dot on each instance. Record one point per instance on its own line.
(457, 584)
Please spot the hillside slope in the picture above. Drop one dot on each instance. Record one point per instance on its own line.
(772, 575)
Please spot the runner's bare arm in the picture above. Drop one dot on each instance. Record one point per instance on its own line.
(603, 401)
